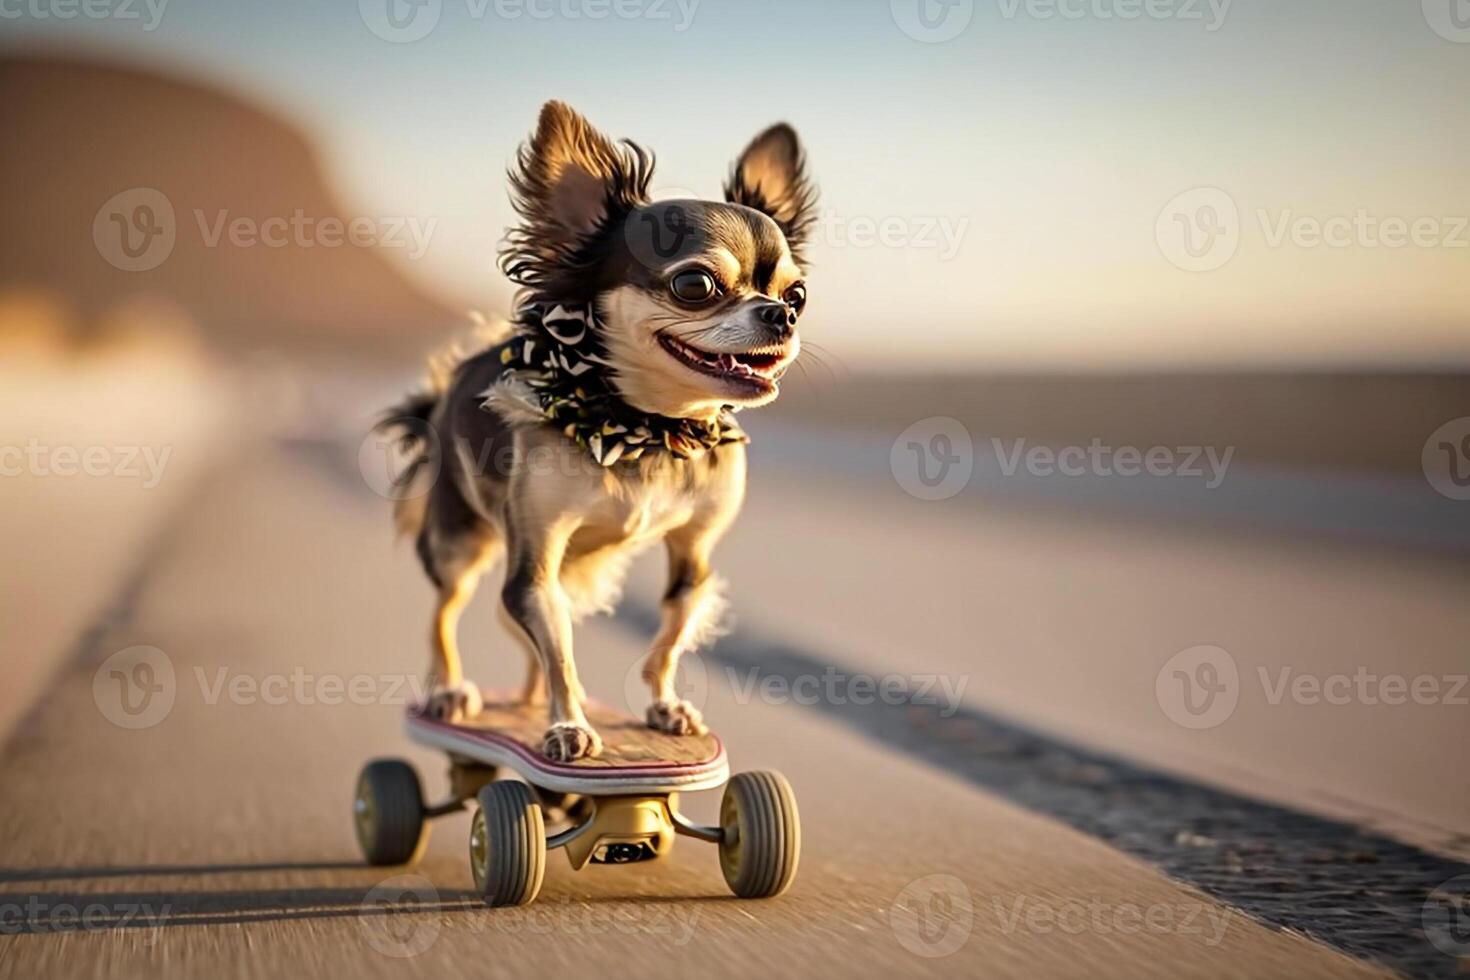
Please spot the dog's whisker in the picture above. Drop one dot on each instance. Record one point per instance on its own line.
(819, 355)
(822, 352)
(805, 375)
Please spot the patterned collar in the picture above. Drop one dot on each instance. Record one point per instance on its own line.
(558, 352)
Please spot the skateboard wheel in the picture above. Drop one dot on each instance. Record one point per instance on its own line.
(388, 812)
(508, 844)
(762, 834)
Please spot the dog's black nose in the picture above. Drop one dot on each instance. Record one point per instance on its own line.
(780, 318)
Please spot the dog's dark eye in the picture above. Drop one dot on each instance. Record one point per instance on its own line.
(795, 297)
(694, 286)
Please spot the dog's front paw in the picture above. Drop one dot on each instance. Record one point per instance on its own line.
(676, 718)
(454, 704)
(569, 741)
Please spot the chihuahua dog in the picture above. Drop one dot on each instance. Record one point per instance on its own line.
(604, 420)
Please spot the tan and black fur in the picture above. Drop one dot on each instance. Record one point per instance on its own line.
(489, 479)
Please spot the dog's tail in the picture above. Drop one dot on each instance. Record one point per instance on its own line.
(411, 420)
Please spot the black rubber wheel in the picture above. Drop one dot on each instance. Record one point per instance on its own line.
(762, 843)
(508, 844)
(388, 812)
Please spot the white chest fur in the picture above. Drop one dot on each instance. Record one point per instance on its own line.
(633, 517)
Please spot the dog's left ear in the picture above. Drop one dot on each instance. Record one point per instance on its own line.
(571, 185)
(770, 176)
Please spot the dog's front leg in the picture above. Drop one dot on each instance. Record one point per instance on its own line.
(692, 608)
(535, 603)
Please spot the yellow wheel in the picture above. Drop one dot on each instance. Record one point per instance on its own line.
(388, 812)
(508, 844)
(762, 834)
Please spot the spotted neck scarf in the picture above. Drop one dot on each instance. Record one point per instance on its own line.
(557, 351)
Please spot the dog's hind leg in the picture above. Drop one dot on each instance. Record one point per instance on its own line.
(537, 608)
(456, 552)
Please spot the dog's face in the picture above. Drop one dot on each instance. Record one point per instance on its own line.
(707, 315)
(699, 300)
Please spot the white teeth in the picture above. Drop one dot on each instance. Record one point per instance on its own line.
(726, 363)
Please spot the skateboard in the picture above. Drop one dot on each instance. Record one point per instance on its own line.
(618, 808)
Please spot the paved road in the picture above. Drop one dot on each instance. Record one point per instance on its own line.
(217, 840)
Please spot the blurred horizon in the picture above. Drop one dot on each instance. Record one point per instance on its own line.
(998, 201)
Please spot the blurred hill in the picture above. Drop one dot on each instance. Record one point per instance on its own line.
(77, 134)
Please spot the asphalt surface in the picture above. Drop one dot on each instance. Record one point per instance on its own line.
(205, 829)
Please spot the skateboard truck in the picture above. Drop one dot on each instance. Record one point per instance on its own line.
(623, 853)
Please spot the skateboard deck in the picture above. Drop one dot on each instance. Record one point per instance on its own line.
(635, 759)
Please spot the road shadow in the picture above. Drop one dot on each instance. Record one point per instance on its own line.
(8, 875)
(392, 891)
(395, 892)
(47, 913)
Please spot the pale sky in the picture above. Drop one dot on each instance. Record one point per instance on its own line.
(1007, 197)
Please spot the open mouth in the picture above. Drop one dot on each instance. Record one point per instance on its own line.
(755, 370)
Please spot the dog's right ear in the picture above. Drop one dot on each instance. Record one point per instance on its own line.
(570, 184)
